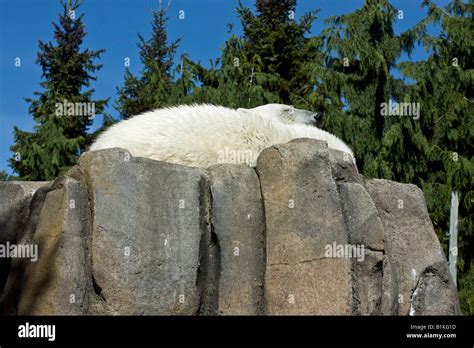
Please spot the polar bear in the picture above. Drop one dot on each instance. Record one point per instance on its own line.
(204, 135)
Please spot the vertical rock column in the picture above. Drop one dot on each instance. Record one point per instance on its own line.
(15, 198)
(424, 285)
(146, 231)
(238, 225)
(375, 291)
(303, 215)
(58, 282)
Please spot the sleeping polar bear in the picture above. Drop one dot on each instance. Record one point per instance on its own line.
(204, 135)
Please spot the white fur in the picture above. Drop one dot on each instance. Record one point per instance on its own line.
(203, 135)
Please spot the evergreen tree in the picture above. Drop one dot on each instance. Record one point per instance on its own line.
(361, 50)
(266, 64)
(184, 87)
(3, 175)
(60, 133)
(444, 86)
(155, 87)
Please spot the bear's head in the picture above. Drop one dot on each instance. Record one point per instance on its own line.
(284, 113)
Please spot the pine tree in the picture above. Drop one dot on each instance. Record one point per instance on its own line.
(3, 175)
(155, 87)
(60, 133)
(444, 86)
(183, 90)
(355, 79)
(266, 64)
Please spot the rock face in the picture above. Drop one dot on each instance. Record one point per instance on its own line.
(238, 226)
(413, 247)
(302, 233)
(18, 213)
(58, 282)
(296, 183)
(146, 229)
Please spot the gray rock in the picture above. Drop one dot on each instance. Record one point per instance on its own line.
(14, 211)
(58, 283)
(123, 235)
(146, 230)
(342, 168)
(435, 292)
(239, 225)
(389, 289)
(303, 215)
(372, 294)
(14, 206)
(362, 217)
(410, 240)
(367, 283)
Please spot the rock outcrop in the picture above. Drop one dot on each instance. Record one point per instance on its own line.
(302, 233)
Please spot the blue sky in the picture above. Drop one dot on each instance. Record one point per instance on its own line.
(113, 25)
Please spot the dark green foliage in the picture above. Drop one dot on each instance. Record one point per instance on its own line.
(444, 86)
(3, 175)
(266, 64)
(155, 87)
(355, 78)
(59, 135)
